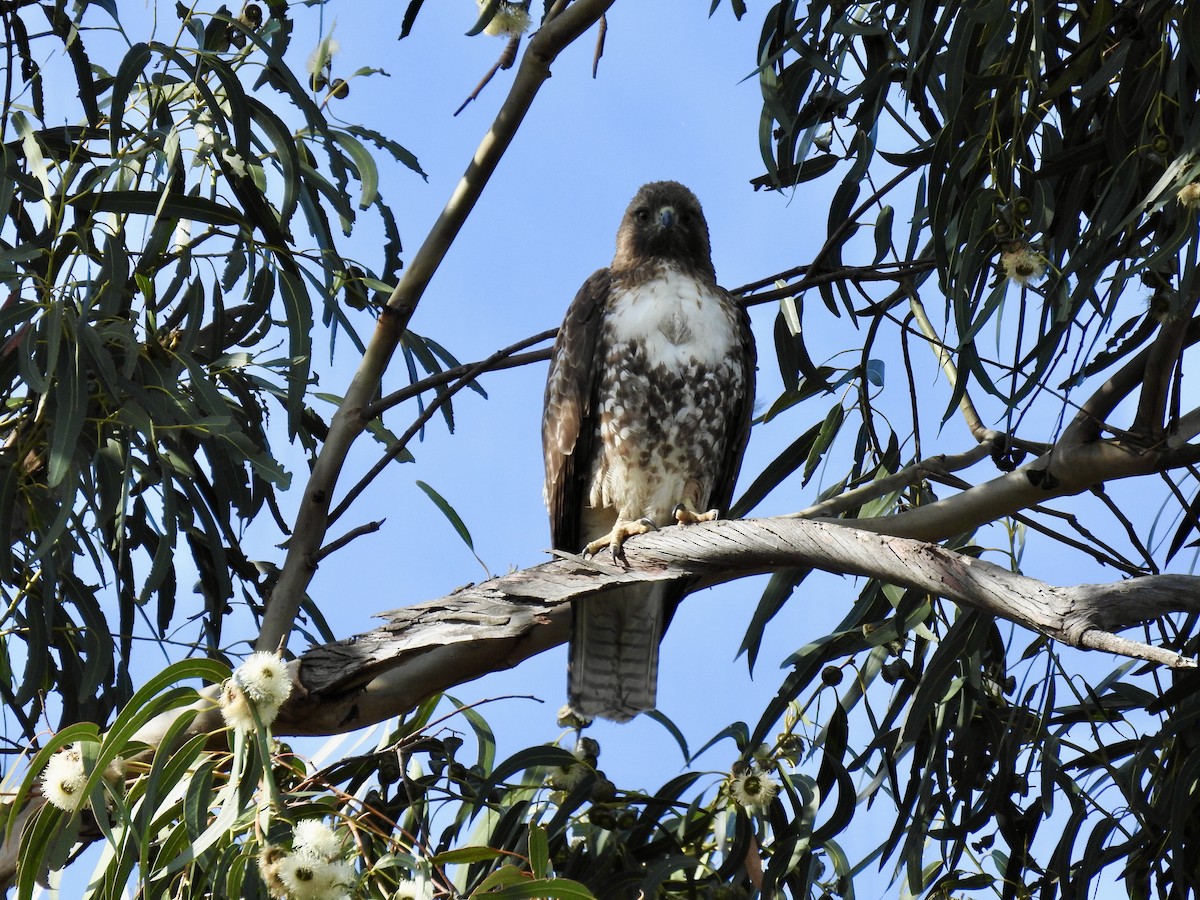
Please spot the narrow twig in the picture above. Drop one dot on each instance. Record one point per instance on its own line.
(1103, 552)
(397, 447)
(501, 359)
(1130, 531)
(852, 219)
(1105, 555)
(906, 353)
(507, 57)
(855, 274)
(366, 528)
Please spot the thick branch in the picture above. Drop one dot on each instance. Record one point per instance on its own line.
(1150, 421)
(1089, 422)
(481, 628)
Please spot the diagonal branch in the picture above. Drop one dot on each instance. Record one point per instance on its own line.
(1162, 361)
(562, 26)
(1089, 422)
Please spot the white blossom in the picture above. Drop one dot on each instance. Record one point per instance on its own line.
(510, 20)
(1189, 195)
(306, 877)
(316, 838)
(1022, 265)
(235, 708)
(411, 889)
(326, 50)
(265, 679)
(63, 780)
(753, 788)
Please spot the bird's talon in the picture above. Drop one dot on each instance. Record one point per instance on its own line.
(685, 516)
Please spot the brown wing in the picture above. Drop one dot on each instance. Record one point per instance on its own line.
(569, 419)
(739, 423)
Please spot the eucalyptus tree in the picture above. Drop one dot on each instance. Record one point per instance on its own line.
(1013, 229)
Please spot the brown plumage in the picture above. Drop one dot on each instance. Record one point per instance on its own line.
(648, 406)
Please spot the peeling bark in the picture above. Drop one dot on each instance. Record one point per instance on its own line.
(433, 646)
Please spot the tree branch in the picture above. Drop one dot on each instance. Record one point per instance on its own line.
(1089, 422)
(430, 647)
(1162, 361)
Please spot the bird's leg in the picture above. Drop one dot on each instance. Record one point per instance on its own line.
(621, 532)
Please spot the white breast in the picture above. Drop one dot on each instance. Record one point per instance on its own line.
(676, 319)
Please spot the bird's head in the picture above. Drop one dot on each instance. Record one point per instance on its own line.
(664, 223)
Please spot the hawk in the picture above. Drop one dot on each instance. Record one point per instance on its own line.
(647, 412)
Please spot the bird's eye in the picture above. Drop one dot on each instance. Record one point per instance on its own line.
(642, 214)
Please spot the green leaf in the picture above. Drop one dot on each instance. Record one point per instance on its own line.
(825, 438)
(154, 203)
(448, 511)
(486, 13)
(298, 308)
(539, 852)
(368, 173)
(550, 888)
(883, 233)
(133, 66)
(399, 153)
(466, 855)
(70, 408)
(672, 729)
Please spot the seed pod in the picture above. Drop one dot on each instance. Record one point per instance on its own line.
(251, 16)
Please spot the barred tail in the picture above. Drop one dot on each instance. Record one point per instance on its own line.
(613, 669)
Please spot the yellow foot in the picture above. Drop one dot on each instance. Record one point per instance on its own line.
(685, 516)
(621, 532)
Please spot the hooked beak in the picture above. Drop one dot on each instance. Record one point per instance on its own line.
(666, 216)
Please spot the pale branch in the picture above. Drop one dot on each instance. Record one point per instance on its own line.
(1077, 462)
(1093, 547)
(561, 26)
(507, 57)
(965, 405)
(601, 31)
(1062, 472)
(432, 646)
(1186, 428)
